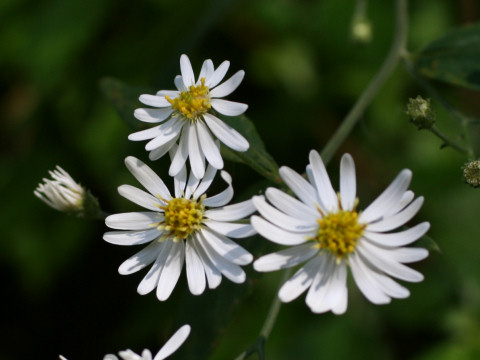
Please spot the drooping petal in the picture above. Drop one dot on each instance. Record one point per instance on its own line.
(200, 187)
(285, 258)
(150, 281)
(227, 248)
(231, 212)
(228, 108)
(197, 159)
(181, 155)
(152, 115)
(228, 86)
(161, 150)
(167, 131)
(174, 343)
(171, 271)
(226, 134)
(195, 270)
(301, 281)
(214, 276)
(147, 177)
(348, 182)
(133, 220)
(209, 148)
(290, 205)
(141, 259)
(275, 234)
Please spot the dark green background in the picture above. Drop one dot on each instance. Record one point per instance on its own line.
(61, 293)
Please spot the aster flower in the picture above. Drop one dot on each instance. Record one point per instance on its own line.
(168, 349)
(328, 234)
(186, 115)
(61, 192)
(188, 227)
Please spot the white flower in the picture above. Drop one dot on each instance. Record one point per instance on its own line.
(186, 114)
(168, 349)
(326, 231)
(189, 226)
(62, 192)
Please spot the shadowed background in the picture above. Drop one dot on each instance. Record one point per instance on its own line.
(61, 293)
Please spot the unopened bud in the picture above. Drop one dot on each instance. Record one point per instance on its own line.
(471, 173)
(421, 113)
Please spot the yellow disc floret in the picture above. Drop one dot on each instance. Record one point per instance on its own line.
(338, 233)
(182, 217)
(192, 103)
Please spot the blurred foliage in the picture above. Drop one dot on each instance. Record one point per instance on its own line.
(61, 290)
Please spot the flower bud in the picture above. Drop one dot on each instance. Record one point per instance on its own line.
(471, 173)
(421, 113)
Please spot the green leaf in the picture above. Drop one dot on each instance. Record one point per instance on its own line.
(453, 58)
(125, 99)
(256, 156)
(428, 243)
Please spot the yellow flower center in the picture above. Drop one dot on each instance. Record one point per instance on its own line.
(338, 233)
(182, 217)
(192, 103)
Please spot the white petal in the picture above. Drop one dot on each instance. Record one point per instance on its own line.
(408, 255)
(400, 238)
(317, 290)
(174, 343)
(200, 187)
(397, 220)
(322, 183)
(139, 197)
(147, 133)
(152, 115)
(206, 71)
(171, 271)
(209, 148)
(381, 259)
(388, 199)
(168, 131)
(180, 179)
(154, 100)
(226, 134)
(218, 75)
(150, 281)
(181, 155)
(170, 93)
(227, 248)
(231, 212)
(187, 71)
(214, 277)
(195, 271)
(147, 177)
(285, 258)
(406, 199)
(141, 259)
(161, 150)
(348, 183)
(230, 270)
(302, 279)
(366, 282)
(197, 159)
(178, 81)
(290, 205)
(233, 230)
(228, 86)
(127, 238)
(228, 108)
(225, 196)
(301, 187)
(133, 220)
(275, 234)
(283, 220)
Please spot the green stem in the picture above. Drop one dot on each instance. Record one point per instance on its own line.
(389, 64)
(449, 142)
(259, 344)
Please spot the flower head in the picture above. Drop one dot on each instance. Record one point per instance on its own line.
(471, 173)
(188, 227)
(186, 116)
(168, 349)
(61, 192)
(328, 234)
